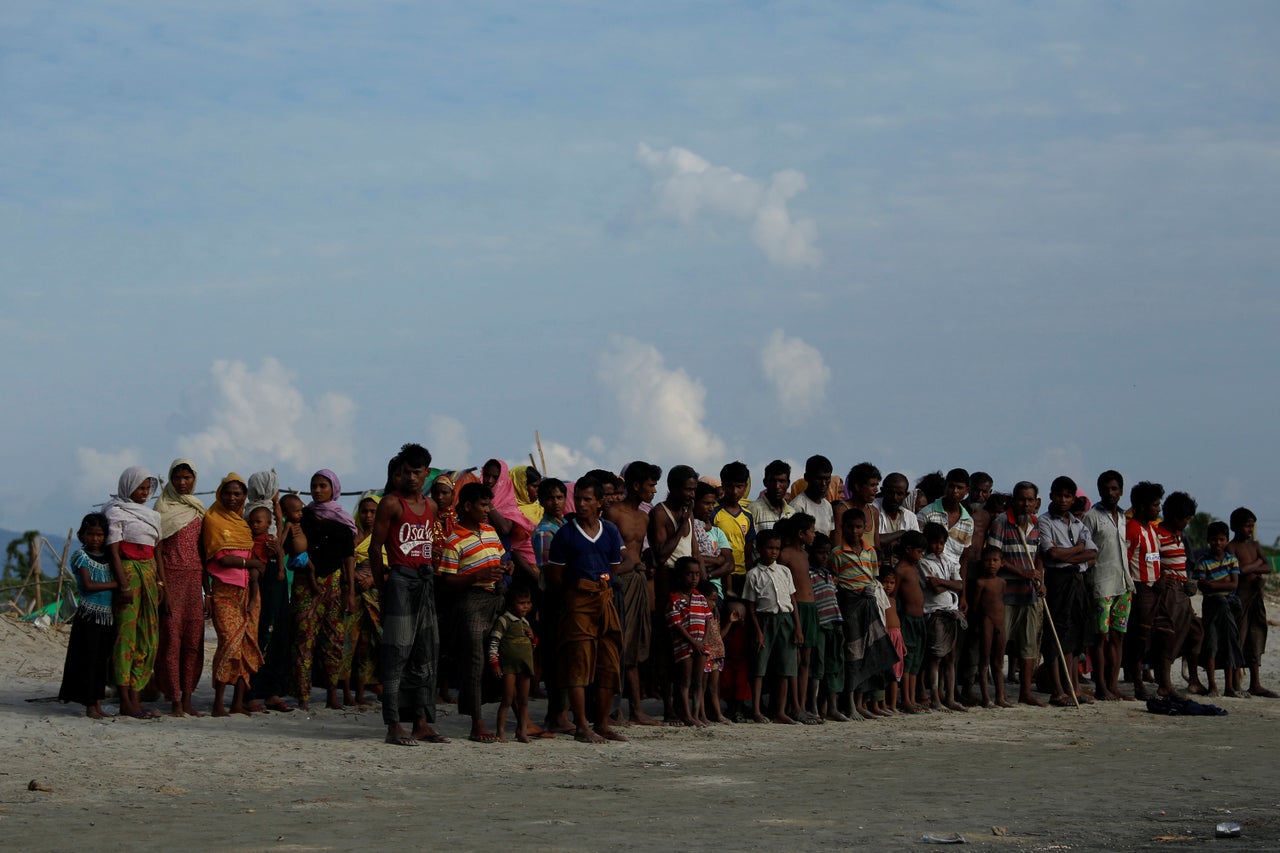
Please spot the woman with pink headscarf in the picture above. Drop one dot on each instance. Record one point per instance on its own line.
(513, 526)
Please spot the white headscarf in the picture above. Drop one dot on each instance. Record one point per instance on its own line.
(262, 488)
(128, 521)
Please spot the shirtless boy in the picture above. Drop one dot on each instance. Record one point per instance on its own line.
(911, 614)
(797, 536)
(986, 614)
(637, 603)
(1254, 568)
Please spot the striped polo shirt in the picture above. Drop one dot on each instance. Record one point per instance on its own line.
(467, 551)
(1173, 553)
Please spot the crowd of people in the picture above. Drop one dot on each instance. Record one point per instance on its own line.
(824, 599)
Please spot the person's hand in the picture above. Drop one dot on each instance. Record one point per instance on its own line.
(125, 596)
(528, 632)
(314, 584)
(280, 575)
(489, 574)
(350, 601)
(364, 581)
(495, 667)
(799, 638)
(759, 639)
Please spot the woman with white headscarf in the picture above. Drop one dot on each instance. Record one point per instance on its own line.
(133, 537)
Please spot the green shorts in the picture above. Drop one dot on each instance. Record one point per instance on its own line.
(913, 637)
(1112, 613)
(807, 614)
(778, 657)
(1022, 630)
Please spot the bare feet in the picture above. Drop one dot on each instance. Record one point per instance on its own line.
(609, 734)
(759, 718)
(956, 706)
(523, 738)
(640, 718)
(1030, 699)
(836, 716)
(587, 736)
(783, 719)
(1259, 690)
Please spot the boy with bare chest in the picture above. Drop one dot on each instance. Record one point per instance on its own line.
(911, 614)
(986, 612)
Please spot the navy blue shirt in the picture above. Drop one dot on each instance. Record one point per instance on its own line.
(585, 558)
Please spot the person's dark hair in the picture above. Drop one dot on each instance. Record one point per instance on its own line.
(291, 496)
(980, 478)
(1144, 493)
(932, 485)
(517, 591)
(958, 475)
(474, 493)
(895, 477)
(850, 517)
(679, 567)
(935, 532)
(1240, 516)
(1217, 528)
(640, 472)
(1079, 505)
(735, 472)
(1107, 476)
(679, 475)
(913, 539)
(491, 463)
(1063, 484)
(90, 521)
(587, 483)
(820, 541)
(603, 477)
(817, 464)
(797, 524)
(548, 486)
(988, 550)
(863, 473)
(776, 467)
(413, 455)
(705, 489)
(770, 535)
(888, 572)
(1179, 505)
(1023, 485)
(181, 466)
(998, 502)
(532, 476)
(258, 509)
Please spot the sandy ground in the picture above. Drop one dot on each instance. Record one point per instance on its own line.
(1110, 776)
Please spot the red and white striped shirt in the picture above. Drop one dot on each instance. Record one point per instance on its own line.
(1144, 552)
(1173, 553)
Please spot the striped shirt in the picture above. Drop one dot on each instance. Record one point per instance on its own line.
(542, 536)
(855, 570)
(1173, 553)
(467, 551)
(824, 596)
(1210, 569)
(766, 516)
(959, 535)
(1019, 550)
(1144, 552)
(690, 611)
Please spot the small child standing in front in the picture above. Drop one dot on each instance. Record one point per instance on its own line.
(1218, 576)
(986, 615)
(687, 615)
(93, 632)
(1254, 568)
(770, 595)
(893, 677)
(911, 612)
(511, 645)
(826, 664)
(943, 586)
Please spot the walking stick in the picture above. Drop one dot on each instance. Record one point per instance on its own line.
(1053, 629)
(1061, 656)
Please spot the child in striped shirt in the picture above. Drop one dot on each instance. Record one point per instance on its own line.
(826, 666)
(1218, 576)
(687, 615)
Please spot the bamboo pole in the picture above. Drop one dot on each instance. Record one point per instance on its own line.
(33, 552)
(538, 439)
(62, 569)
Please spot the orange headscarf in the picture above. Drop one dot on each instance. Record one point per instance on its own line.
(223, 529)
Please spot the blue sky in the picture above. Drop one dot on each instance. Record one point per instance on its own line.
(1029, 238)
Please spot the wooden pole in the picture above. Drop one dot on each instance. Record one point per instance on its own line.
(33, 552)
(538, 439)
(62, 569)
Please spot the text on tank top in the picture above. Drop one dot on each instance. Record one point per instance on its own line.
(409, 541)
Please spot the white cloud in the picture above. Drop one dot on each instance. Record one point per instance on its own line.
(100, 471)
(660, 410)
(260, 419)
(798, 374)
(564, 461)
(687, 186)
(447, 441)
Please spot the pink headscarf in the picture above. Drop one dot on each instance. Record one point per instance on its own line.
(331, 510)
(504, 501)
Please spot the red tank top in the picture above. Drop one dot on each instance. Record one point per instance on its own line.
(409, 542)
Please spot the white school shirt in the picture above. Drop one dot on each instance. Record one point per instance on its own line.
(770, 587)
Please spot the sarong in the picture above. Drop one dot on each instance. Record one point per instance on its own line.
(137, 626)
(180, 660)
(318, 623)
(868, 651)
(635, 615)
(1221, 647)
(476, 609)
(235, 619)
(1253, 624)
(409, 647)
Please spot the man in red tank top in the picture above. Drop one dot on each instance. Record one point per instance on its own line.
(410, 637)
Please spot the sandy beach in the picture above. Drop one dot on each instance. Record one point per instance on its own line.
(1109, 775)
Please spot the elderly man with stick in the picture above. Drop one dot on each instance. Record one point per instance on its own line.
(1067, 549)
(1017, 534)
